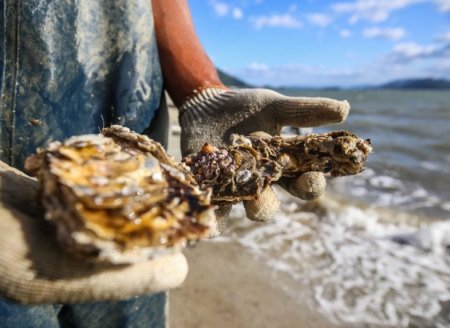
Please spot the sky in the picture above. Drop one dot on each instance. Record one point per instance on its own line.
(320, 43)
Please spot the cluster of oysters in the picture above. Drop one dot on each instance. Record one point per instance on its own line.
(119, 198)
(251, 163)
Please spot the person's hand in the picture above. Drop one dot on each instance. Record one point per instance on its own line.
(213, 114)
(35, 270)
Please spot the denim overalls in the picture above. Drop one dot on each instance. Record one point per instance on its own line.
(71, 67)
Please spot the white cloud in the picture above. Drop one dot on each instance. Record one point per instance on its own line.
(285, 21)
(376, 11)
(237, 13)
(297, 74)
(445, 37)
(318, 19)
(386, 33)
(223, 9)
(220, 8)
(345, 33)
(440, 69)
(372, 72)
(258, 66)
(372, 10)
(411, 51)
(443, 5)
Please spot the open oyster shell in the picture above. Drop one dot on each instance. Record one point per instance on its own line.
(116, 204)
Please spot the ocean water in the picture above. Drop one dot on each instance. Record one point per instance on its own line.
(375, 250)
(410, 133)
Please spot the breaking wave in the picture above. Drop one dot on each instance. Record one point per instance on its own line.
(365, 264)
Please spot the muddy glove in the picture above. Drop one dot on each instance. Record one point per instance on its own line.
(213, 114)
(34, 269)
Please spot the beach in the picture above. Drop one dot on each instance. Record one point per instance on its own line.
(227, 286)
(374, 251)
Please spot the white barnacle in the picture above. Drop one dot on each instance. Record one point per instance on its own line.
(284, 160)
(243, 176)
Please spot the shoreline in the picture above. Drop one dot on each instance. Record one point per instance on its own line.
(377, 256)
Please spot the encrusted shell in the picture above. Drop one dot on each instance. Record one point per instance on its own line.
(241, 171)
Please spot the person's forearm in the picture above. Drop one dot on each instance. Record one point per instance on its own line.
(186, 66)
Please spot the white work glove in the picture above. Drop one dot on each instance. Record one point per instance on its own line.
(213, 114)
(35, 270)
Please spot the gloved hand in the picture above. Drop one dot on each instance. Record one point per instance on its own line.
(213, 114)
(34, 269)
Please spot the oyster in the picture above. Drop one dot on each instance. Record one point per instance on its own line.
(120, 198)
(114, 203)
(250, 164)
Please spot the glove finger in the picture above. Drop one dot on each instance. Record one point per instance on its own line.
(222, 213)
(309, 112)
(264, 208)
(309, 186)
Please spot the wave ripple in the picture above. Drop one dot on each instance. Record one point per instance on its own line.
(363, 265)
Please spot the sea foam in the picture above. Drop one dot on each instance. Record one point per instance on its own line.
(364, 264)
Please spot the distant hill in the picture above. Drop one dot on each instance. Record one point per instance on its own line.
(302, 88)
(231, 81)
(427, 83)
(422, 83)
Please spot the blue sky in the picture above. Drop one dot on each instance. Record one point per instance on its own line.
(323, 43)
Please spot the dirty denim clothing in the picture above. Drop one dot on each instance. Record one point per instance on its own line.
(135, 313)
(70, 67)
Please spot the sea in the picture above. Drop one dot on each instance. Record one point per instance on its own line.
(374, 251)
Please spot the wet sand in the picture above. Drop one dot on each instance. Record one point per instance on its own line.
(227, 287)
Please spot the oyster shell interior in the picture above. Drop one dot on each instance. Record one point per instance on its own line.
(117, 204)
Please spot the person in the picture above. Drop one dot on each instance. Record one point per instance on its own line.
(71, 68)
